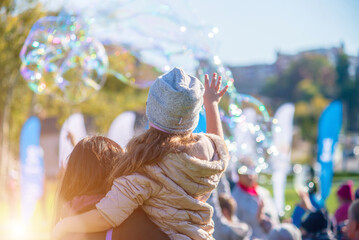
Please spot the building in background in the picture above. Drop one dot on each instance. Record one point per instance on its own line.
(251, 79)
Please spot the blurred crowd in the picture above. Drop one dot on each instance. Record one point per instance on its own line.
(245, 210)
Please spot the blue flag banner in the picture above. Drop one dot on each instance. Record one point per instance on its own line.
(202, 125)
(330, 123)
(32, 167)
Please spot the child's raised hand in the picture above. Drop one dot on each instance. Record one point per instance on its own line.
(212, 96)
(212, 93)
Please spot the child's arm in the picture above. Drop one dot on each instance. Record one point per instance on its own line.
(212, 96)
(126, 194)
(91, 221)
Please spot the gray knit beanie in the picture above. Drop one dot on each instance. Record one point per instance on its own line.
(174, 102)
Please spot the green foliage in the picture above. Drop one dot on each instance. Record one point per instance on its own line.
(292, 198)
(343, 79)
(314, 70)
(15, 97)
(348, 91)
(309, 82)
(20, 102)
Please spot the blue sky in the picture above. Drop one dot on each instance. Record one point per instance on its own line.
(251, 31)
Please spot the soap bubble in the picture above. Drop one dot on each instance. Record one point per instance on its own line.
(83, 71)
(58, 57)
(147, 37)
(246, 121)
(125, 65)
(161, 33)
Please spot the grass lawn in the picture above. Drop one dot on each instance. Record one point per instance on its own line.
(291, 197)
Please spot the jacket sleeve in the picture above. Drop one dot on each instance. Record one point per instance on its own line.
(297, 215)
(126, 194)
(220, 147)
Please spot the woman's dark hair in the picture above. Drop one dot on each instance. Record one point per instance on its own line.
(87, 170)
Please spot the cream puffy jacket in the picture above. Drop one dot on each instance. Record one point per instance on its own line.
(173, 193)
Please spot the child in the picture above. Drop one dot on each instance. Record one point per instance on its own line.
(352, 228)
(84, 184)
(168, 170)
(226, 223)
(228, 206)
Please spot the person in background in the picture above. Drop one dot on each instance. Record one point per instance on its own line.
(352, 227)
(285, 231)
(84, 183)
(228, 206)
(315, 226)
(303, 207)
(357, 194)
(345, 198)
(255, 206)
(226, 225)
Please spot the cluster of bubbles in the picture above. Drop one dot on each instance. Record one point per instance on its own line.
(142, 39)
(248, 125)
(250, 129)
(60, 58)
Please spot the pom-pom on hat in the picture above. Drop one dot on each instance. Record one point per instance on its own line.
(345, 190)
(174, 102)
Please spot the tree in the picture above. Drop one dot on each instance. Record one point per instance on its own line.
(309, 82)
(14, 28)
(343, 78)
(348, 90)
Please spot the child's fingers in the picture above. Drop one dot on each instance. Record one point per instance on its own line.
(206, 81)
(224, 90)
(214, 78)
(218, 83)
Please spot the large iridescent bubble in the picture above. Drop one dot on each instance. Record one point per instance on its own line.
(60, 58)
(126, 67)
(247, 123)
(162, 34)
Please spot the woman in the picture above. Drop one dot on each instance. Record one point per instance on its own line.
(84, 183)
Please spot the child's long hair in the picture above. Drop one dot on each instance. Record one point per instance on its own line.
(150, 148)
(87, 170)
